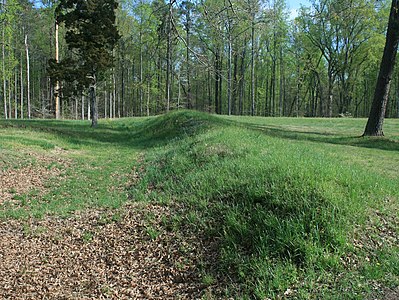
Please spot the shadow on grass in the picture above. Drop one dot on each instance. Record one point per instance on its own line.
(145, 133)
(381, 143)
(140, 133)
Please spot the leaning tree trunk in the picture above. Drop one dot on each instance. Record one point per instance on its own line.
(381, 93)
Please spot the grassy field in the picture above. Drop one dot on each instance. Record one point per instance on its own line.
(244, 208)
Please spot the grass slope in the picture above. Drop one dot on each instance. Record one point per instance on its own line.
(296, 208)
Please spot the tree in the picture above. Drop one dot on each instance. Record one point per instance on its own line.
(381, 93)
(91, 36)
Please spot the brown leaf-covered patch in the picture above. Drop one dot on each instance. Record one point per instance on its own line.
(125, 254)
(33, 174)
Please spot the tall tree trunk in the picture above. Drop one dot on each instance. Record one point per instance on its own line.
(16, 94)
(217, 80)
(114, 95)
(209, 92)
(57, 83)
(76, 107)
(159, 74)
(93, 100)
(110, 97)
(330, 92)
(105, 104)
(381, 94)
(229, 75)
(298, 89)
(148, 97)
(253, 66)
(235, 84)
(89, 109)
(121, 105)
(22, 90)
(27, 76)
(281, 94)
(83, 106)
(397, 99)
(242, 80)
(188, 73)
(4, 73)
(169, 57)
(9, 98)
(141, 72)
(273, 88)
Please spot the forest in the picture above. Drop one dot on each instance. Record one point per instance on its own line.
(251, 57)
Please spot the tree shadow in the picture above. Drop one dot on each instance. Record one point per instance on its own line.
(158, 131)
(126, 132)
(381, 143)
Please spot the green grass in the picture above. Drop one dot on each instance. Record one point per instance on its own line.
(299, 207)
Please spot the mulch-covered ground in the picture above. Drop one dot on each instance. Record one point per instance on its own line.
(123, 254)
(129, 253)
(18, 180)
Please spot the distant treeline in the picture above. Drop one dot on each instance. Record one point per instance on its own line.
(247, 57)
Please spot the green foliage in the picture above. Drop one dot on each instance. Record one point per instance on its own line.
(91, 36)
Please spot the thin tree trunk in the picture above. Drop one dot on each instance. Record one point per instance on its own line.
(330, 93)
(114, 94)
(4, 73)
(105, 104)
(141, 73)
(188, 73)
(57, 83)
(93, 100)
(235, 85)
(178, 92)
(169, 57)
(217, 79)
(9, 99)
(28, 76)
(253, 67)
(88, 109)
(16, 94)
(229, 75)
(22, 90)
(381, 94)
(281, 96)
(298, 90)
(242, 80)
(121, 104)
(148, 97)
(397, 99)
(110, 99)
(76, 107)
(83, 107)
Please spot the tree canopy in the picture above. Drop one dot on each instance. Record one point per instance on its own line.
(250, 57)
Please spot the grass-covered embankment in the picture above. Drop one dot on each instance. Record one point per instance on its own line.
(284, 207)
(293, 215)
